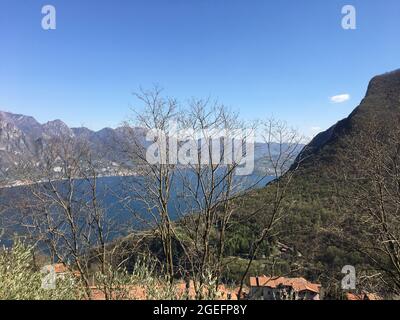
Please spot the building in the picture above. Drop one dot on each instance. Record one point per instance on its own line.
(281, 288)
(362, 296)
(182, 290)
(60, 270)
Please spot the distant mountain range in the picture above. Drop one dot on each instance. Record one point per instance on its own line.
(24, 138)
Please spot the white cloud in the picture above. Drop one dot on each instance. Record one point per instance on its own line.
(340, 98)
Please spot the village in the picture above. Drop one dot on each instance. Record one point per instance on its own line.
(258, 288)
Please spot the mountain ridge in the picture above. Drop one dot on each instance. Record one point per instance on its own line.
(323, 215)
(23, 138)
(382, 100)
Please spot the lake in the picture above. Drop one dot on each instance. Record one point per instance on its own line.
(115, 198)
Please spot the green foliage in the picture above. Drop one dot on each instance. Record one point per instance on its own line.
(20, 281)
(145, 280)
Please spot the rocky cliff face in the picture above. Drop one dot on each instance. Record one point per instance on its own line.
(381, 104)
(23, 138)
(14, 143)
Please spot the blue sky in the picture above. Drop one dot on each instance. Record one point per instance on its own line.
(283, 58)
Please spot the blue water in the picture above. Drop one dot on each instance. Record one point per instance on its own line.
(116, 197)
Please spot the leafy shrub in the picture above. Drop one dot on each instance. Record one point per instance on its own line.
(20, 281)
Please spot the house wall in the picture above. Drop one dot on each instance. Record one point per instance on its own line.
(256, 293)
(266, 293)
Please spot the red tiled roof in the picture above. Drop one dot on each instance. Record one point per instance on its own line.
(362, 296)
(298, 284)
(132, 293)
(139, 292)
(60, 268)
(223, 292)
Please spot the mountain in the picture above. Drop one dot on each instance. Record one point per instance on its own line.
(23, 138)
(341, 175)
(28, 125)
(381, 104)
(57, 128)
(15, 138)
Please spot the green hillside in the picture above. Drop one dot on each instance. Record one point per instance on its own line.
(344, 178)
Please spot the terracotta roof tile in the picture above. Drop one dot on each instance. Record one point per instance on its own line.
(139, 292)
(60, 268)
(298, 284)
(362, 296)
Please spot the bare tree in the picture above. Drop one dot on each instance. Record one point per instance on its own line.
(200, 177)
(62, 208)
(193, 179)
(148, 192)
(286, 143)
(220, 145)
(370, 187)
